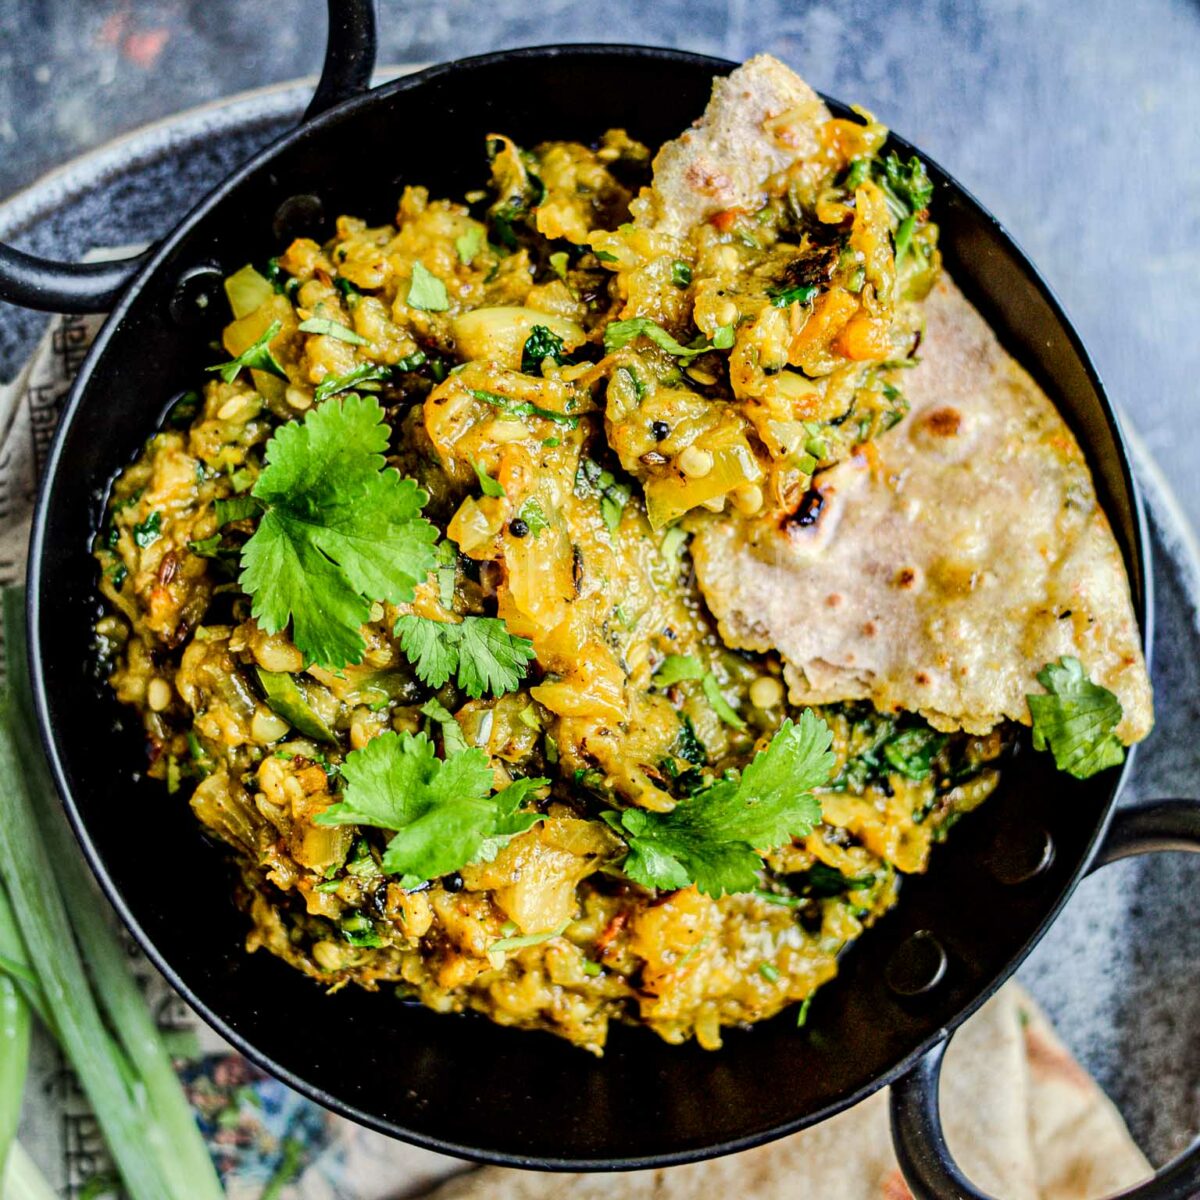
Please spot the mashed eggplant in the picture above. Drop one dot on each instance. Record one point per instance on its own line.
(573, 393)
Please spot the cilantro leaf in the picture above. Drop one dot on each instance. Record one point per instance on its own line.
(1076, 719)
(431, 646)
(339, 530)
(364, 373)
(468, 244)
(440, 810)
(426, 291)
(788, 294)
(593, 480)
(558, 263)
(490, 658)
(254, 358)
(147, 532)
(333, 329)
(542, 343)
(912, 751)
(712, 839)
(906, 186)
(676, 668)
(621, 333)
(487, 485)
(534, 516)
(480, 651)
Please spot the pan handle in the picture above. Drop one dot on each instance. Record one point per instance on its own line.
(929, 1169)
(49, 286)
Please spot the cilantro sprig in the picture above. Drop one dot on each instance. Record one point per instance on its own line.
(440, 811)
(1076, 720)
(339, 529)
(712, 839)
(480, 651)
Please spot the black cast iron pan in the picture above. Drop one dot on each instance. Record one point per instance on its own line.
(461, 1084)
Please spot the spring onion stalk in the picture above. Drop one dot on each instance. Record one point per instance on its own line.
(28, 876)
(185, 1160)
(14, 1061)
(23, 1180)
(14, 966)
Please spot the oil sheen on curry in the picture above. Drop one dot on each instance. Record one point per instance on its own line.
(456, 596)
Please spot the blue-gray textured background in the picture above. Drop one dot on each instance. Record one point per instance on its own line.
(1075, 121)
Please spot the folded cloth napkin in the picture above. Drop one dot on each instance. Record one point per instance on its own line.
(1024, 1119)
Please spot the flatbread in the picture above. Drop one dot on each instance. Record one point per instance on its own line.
(949, 561)
(1021, 1116)
(723, 161)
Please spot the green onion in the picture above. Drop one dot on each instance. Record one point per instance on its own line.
(150, 1110)
(22, 1180)
(29, 878)
(14, 1061)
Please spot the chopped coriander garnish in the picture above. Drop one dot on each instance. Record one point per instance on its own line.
(333, 329)
(604, 256)
(523, 408)
(592, 969)
(440, 810)
(257, 357)
(912, 751)
(676, 668)
(479, 651)
(906, 186)
(712, 838)
(558, 263)
(468, 244)
(487, 484)
(723, 338)
(681, 273)
(801, 293)
(721, 706)
(1076, 719)
(593, 480)
(426, 291)
(769, 972)
(802, 1013)
(147, 532)
(621, 333)
(534, 517)
(339, 530)
(542, 343)
(364, 373)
